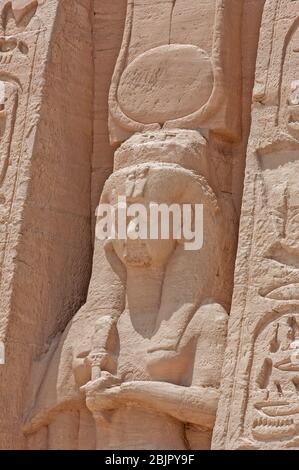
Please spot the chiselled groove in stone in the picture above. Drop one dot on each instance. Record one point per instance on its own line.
(136, 360)
(171, 19)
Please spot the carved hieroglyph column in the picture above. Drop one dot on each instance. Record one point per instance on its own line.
(44, 214)
(22, 57)
(259, 406)
(22, 33)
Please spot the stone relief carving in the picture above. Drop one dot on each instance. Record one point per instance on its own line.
(16, 13)
(288, 111)
(152, 78)
(263, 411)
(274, 373)
(146, 349)
(15, 17)
(140, 365)
(158, 353)
(14, 49)
(148, 93)
(273, 414)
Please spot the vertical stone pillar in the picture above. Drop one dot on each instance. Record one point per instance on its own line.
(45, 149)
(259, 396)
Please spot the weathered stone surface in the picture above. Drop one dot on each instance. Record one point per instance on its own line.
(146, 349)
(45, 145)
(148, 101)
(259, 395)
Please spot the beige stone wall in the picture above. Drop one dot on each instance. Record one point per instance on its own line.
(175, 115)
(259, 396)
(47, 251)
(152, 100)
(108, 27)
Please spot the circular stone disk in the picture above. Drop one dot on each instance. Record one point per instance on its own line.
(166, 83)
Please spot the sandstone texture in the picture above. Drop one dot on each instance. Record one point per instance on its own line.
(139, 342)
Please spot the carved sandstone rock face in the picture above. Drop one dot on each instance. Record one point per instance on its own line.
(262, 412)
(273, 411)
(164, 83)
(174, 76)
(146, 349)
(167, 186)
(289, 81)
(21, 7)
(142, 364)
(168, 334)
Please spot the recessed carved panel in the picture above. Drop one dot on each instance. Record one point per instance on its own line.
(273, 407)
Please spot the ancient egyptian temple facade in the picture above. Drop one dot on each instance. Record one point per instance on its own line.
(141, 343)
